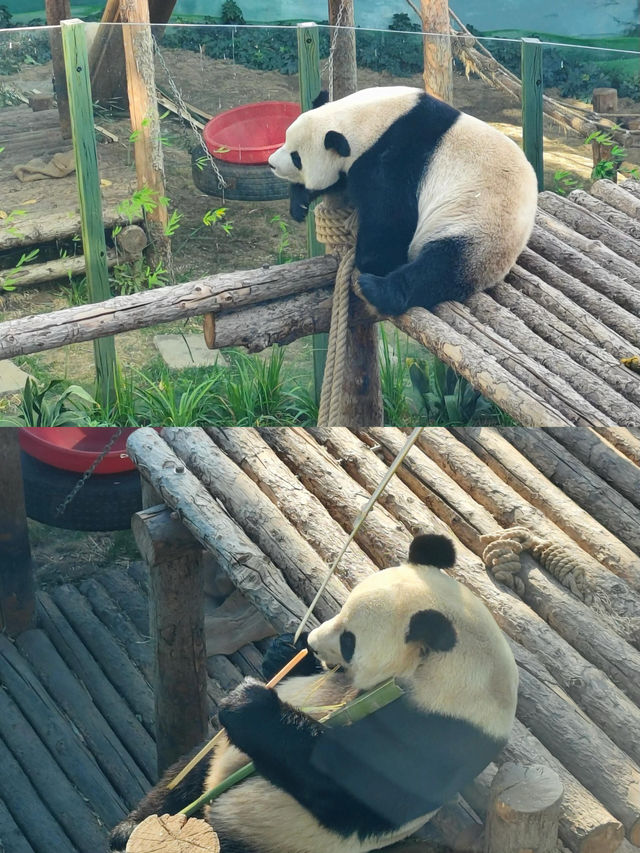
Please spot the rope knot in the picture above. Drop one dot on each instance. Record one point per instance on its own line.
(336, 227)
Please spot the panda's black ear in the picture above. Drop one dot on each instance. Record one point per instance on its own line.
(320, 99)
(430, 549)
(337, 142)
(432, 630)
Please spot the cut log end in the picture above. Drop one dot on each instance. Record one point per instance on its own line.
(603, 839)
(173, 834)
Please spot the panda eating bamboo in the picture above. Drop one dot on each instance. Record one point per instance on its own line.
(445, 202)
(359, 787)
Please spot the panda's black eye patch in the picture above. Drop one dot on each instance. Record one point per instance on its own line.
(295, 159)
(347, 645)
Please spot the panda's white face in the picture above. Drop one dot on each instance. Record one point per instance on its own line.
(417, 624)
(322, 143)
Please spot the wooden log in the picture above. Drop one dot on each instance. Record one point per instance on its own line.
(506, 505)
(68, 693)
(604, 100)
(117, 665)
(129, 597)
(23, 802)
(145, 122)
(132, 241)
(261, 520)
(590, 225)
(571, 619)
(622, 221)
(585, 488)
(494, 380)
(545, 382)
(524, 809)
(107, 699)
(248, 660)
(621, 198)
(137, 645)
(436, 49)
(17, 585)
(53, 227)
(161, 536)
(176, 620)
(62, 268)
(574, 262)
(588, 686)
(630, 185)
(597, 393)
(57, 790)
(585, 825)
(569, 326)
(303, 509)
(624, 441)
(530, 473)
(10, 832)
(344, 69)
(69, 751)
(278, 322)
(587, 446)
(173, 834)
(581, 294)
(57, 11)
(458, 826)
(592, 250)
(148, 308)
(579, 744)
(246, 565)
(106, 60)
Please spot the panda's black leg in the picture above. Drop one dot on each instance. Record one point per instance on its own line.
(160, 800)
(436, 275)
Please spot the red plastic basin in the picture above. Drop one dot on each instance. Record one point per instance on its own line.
(251, 133)
(75, 448)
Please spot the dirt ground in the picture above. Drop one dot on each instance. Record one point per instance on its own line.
(255, 239)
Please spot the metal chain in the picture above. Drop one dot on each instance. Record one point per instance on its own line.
(83, 479)
(187, 114)
(328, 66)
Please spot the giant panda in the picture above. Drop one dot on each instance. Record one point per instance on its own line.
(356, 788)
(445, 202)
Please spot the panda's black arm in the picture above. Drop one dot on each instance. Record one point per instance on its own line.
(281, 742)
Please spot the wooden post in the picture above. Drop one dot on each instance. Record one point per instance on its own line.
(59, 10)
(17, 600)
(605, 101)
(176, 618)
(524, 810)
(438, 69)
(532, 113)
(345, 71)
(145, 123)
(310, 86)
(106, 60)
(92, 226)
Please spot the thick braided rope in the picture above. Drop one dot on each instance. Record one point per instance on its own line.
(501, 556)
(336, 227)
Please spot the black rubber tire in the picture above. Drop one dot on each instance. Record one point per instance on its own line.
(244, 183)
(105, 502)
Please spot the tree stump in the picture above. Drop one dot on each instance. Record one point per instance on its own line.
(173, 834)
(604, 100)
(524, 810)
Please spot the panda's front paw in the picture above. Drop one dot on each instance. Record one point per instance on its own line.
(377, 291)
(246, 706)
(282, 649)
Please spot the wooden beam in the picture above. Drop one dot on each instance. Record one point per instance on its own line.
(438, 68)
(145, 123)
(17, 597)
(57, 11)
(92, 226)
(343, 65)
(532, 105)
(177, 632)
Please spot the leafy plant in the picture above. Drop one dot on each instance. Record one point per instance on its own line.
(283, 251)
(75, 292)
(173, 224)
(448, 399)
(394, 380)
(563, 182)
(43, 406)
(136, 276)
(172, 403)
(231, 13)
(9, 280)
(142, 201)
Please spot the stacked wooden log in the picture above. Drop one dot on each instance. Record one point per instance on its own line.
(275, 505)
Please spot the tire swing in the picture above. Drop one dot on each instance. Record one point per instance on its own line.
(55, 461)
(235, 148)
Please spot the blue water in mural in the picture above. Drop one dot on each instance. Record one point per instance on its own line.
(570, 18)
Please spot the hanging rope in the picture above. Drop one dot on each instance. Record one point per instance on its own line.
(337, 228)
